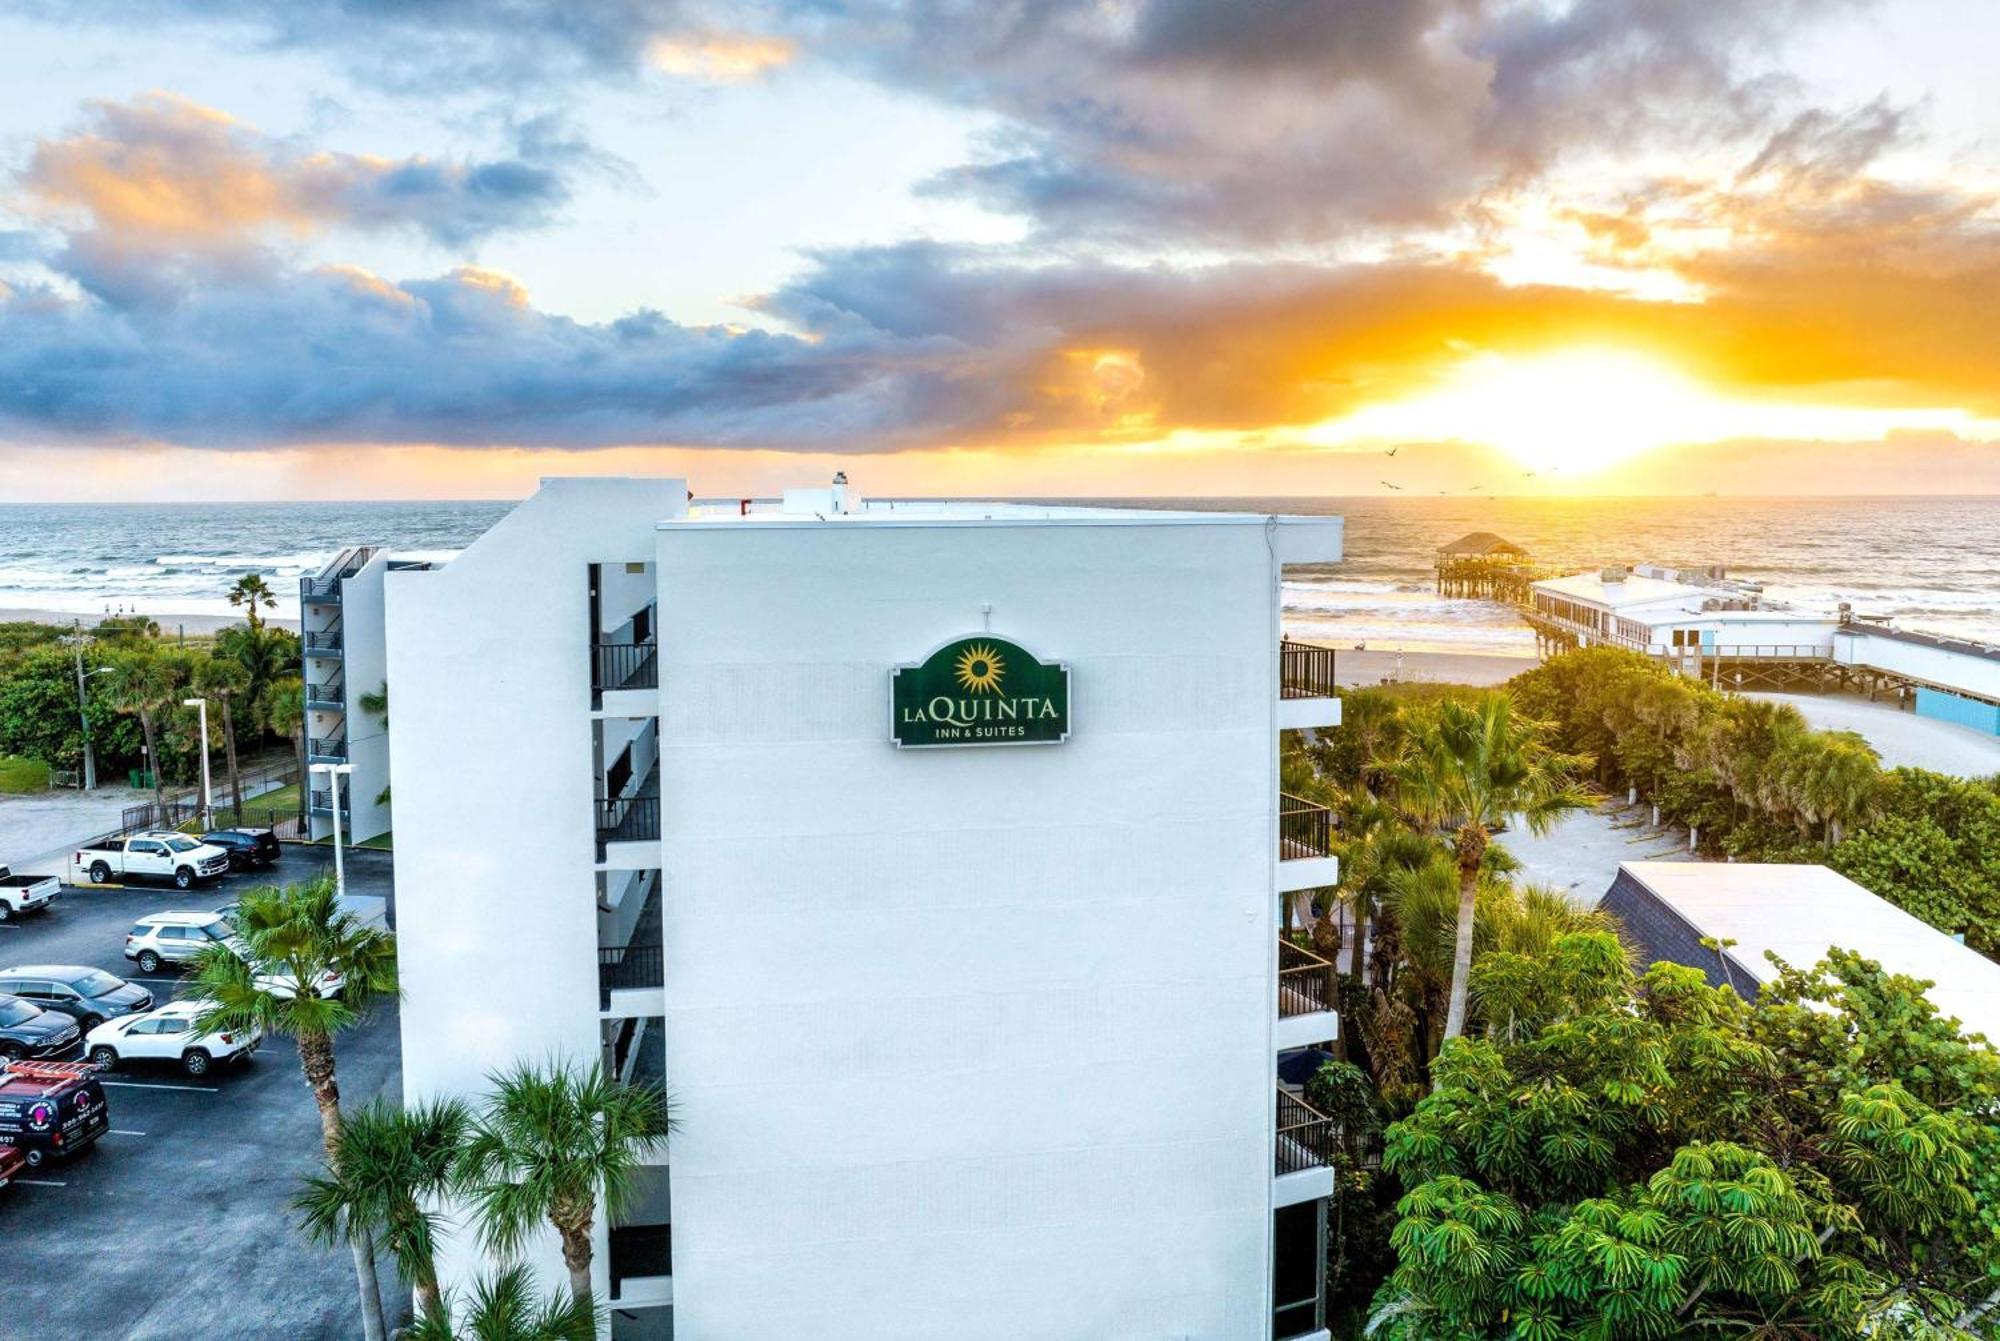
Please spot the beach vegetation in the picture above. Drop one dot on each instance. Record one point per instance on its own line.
(292, 939)
(252, 595)
(1463, 770)
(1755, 782)
(504, 1307)
(19, 776)
(553, 1143)
(1649, 1156)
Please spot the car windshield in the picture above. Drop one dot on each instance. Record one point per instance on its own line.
(15, 1011)
(218, 930)
(182, 844)
(96, 983)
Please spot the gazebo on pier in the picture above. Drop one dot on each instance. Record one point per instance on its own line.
(1485, 566)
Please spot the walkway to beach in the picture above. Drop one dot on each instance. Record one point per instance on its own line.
(1580, 855)
(1903, 739)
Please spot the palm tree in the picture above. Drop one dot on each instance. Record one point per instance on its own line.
(504, 1308)
(222, 679)
(267, 655)
(285, 713)
(291, 940)
(250, 592)
(142, 684)
(549, 1144)
(393, 1162)
(1380, 846)
(1466, 767)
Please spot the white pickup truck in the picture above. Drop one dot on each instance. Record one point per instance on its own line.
(25, 893)
(159, 854)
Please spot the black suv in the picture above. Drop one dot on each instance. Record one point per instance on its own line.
(88, 995)
(246, 847)
(26, 1030)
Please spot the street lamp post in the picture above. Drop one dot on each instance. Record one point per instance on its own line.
(334, 773)
(76, 640)
(207, 801)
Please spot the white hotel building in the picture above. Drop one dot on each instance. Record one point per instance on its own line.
(961, 1042)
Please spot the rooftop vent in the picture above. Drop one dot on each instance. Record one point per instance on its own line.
(1611, 576)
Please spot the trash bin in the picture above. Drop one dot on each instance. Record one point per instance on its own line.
(140, 778)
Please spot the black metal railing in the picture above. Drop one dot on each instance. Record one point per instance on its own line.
(321, 803)
(627, 819)
(327, 747)
(1305, 671)
(1305, 981)
(1305, 828)
(640, 1251)
(624, 666)
(628, 968)
(326, 640)
(330, 695)
(1305, 1135)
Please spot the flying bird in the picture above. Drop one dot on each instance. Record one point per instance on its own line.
(1393, 450)
(1386, 485)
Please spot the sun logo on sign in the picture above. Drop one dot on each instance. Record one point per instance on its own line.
(979, 668)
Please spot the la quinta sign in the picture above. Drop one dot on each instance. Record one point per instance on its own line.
(979, 690)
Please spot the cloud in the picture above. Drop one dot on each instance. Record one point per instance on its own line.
(161, 172)
(719, 58)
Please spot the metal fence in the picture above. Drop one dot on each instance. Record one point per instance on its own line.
(185, 807)
(1305, 671)
(1305, 828)
(628, 967)
(1305, 981)
(1305, 1135)
(627, 819)
(625, 666)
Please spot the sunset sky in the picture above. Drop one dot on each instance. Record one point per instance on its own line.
(361, 248)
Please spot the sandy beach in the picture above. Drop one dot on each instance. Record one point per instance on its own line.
(1374, 666)
(169, 623)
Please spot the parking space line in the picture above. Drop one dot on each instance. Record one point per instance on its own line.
(120, 1131)
(155, 1085)
(40, 1182)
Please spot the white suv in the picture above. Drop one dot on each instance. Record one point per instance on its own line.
(168, 1034)
(177, 936)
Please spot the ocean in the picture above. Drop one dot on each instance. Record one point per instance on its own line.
(1933, 563)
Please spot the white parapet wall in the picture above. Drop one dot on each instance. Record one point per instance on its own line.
(970, 1041)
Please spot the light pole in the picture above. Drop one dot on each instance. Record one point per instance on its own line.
(76, 640)
(207, 806)
(334, 773)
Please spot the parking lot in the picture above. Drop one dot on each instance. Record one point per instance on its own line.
(177, 1224)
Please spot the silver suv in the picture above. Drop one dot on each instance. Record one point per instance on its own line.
(174, 938)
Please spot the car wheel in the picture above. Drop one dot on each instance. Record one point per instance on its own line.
(11, 1052)
(89, 1022)
(195, 1062)
(5, 912)
(35, 1158)
(184, 877)
(104, 1056)
(100, 873)
(148, 962)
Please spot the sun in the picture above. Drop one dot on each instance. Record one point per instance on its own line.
(979, 668)
(1576, 410)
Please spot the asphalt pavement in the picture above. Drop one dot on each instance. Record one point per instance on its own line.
(177, 1225)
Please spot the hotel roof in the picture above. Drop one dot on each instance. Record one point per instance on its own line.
(1673, 599)
(1799, 913)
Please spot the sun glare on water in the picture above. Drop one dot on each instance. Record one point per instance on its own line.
(1579, 411)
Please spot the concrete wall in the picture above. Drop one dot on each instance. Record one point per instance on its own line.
(492, 736)
(366, 659)
(1946, 666)
(970, 1042)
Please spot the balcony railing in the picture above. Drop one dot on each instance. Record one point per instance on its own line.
(1305, 671)
(639, 1252)
(1305, 828)
(624, 666)
(627, 819)
(328, 697)
(321, 803)
(628, 968)
(325, 748)
(326, 640)
(1305, 1135)
(1306, 982)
